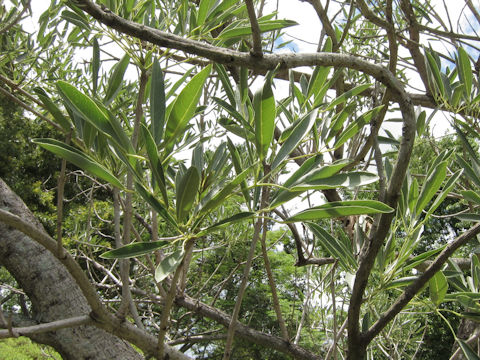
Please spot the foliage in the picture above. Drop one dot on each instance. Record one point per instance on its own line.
(198, 180)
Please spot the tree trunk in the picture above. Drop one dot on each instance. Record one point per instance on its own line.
(52, 291)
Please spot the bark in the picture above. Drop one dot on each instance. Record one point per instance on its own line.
(52, 291)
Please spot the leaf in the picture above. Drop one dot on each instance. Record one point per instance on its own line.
(228, 221)
(227, 86)
(467, 350)
(334, 247)
(237, 164)
(295, 137)
(168, 265)
(245, 30)
(445, 191)
(79, 159)
(340, 209)
(53, 109)
(187, 191)
(157, 102)
(219, 197)
(347, 94)
(468, 217)
(155, 163)
(184, 106)
(437, 78)
(464, 70)
(115, 81)
(355, 127)
(90, 111)
(134, 250)
(264, 105)
(438, 287)
(95, 64)
(469, 172)
(343, 180)
(471, 196)
(155, 204)
(430, 186)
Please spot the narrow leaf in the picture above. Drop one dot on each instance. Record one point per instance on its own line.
(264, 105)
(347, 94)
(465, 71)
(340, 209)
(430, 187)
(79, 159)
(184, 106)
(187, 191)
(115, 81)
(155, 204)
(157, 102)
(295, 137)
(168, 265)
(438, 287)
(134, 250)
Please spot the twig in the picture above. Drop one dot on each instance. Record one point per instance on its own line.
(256, 36)
(46, 327)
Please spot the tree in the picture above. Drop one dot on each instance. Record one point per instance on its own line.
(196, 257)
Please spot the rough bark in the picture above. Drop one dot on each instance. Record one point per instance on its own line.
(52, 291)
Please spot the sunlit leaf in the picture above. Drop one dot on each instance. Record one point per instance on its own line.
(79, 159)
(340, 209)
(115, 81)
(334, 247)
(438, 287)
(184, 106)
(168, 265)
(465, 71)
(264, 105)
(431, 186)
(296, 136)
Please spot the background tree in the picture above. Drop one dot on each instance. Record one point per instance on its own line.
(209, 216)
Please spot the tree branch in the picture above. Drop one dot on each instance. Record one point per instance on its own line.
(256, 35)
(47, 327)
(411, 290)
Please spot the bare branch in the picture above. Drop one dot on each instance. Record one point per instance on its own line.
(256, 35)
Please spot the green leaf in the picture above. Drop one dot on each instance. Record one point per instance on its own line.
(340, 209)
(115, 81)
(184, 106)
(155, 163)
(79, 159)
(438, 287)
(237, 164)
(334, 247)
(296, 136)
(445, 191)
(134, 250)
(347, 94)
(471, 196)
(53, 109)
(157, 102)
(355, 127)
(228, 221)
(90, 111)
(168, 265)
(467, 350)
(95, 65)
(227, 86)
(468, 170)
(431, 186)
(343, 180)
(218, 197)
(187, 191)
(264, 105)
(232, 32)
(155, 204)
(465, 71)
(468, 217)
(437, 77)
